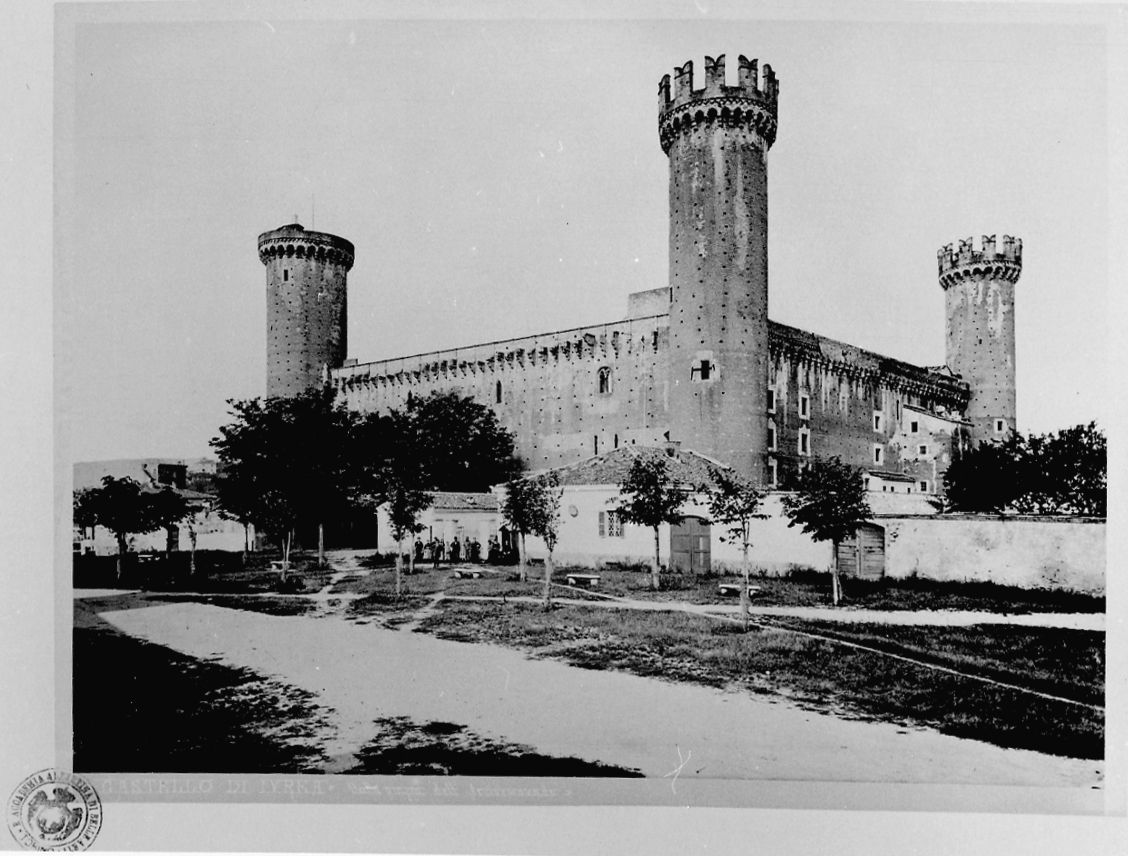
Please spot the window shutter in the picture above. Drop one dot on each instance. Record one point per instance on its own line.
(602, 523)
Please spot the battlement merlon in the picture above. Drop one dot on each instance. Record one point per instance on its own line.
(295, 240)
(765, 90)
(990, 262)
(753, 101)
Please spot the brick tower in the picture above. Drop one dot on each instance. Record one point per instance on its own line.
(717, 140)
(306, 279)
(979, 295)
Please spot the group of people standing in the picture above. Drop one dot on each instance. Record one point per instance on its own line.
(465, 549)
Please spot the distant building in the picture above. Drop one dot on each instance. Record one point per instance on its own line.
(213, 531)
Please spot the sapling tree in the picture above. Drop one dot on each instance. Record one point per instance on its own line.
(519, 510)
(734, 502)
(121, 506)
(829, 504)
(405, 504)
(545, 522)
(650, 496)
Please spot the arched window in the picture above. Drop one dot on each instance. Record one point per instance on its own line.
(604, 380)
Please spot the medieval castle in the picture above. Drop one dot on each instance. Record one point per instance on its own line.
(696, 363)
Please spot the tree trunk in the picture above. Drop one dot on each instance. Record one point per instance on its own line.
(522, 571)
(411, 559)
(246, 541)
(121, 553)
(744, 589)
(548, 582)
(654, 581)
(286, 542)
(321, 545)
(834, 583)
(192, 558)
(399, 566)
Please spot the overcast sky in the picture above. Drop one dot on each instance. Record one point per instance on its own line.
(502, 177)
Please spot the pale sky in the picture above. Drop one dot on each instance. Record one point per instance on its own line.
(502, 177)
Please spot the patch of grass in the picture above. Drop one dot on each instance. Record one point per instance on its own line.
(264, 605)
(386, 605)
(807, 587)
(823, 675)
(143, 708)
(1058, 661)
(383, 581)
(407, 748)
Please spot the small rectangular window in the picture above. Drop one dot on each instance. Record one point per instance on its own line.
(924, 487)
(878, 454)
(285, 276)
(771, 401)
(773, 473)
(804, 405)
(1000, 426)
(804, 442)
(614, 525)
(876, 421)
(771, 438)
(922, 450)
(914, 427)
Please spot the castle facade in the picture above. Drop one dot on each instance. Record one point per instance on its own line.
(697, 362)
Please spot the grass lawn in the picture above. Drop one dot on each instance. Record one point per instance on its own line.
(812, 588)
(824, 675)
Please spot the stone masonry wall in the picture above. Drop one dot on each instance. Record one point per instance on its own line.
(546, 388)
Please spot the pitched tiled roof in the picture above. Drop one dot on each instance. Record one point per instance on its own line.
(446, 501)
(612, 467)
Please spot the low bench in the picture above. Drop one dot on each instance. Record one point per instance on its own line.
(468, 573)
(276, 566)
(734, 588)
(590, 580)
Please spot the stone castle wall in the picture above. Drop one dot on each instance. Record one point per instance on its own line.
(550, 395)
(547, 389)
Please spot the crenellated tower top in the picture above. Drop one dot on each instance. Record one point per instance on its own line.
(752, 102)
(296, 240)
(988, 263)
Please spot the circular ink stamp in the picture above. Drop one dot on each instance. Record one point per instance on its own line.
(54, 810)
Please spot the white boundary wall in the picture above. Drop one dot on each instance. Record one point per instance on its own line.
(1031, 552)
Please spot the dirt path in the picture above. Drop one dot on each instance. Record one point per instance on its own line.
(933, 618)
(663, 729)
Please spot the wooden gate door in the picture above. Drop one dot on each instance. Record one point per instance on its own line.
(690, 546)
(863, 555)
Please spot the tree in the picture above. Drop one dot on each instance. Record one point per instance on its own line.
(537, 507)
(120, 506)
(387, 471)
(1056, 473)
(1064, 473)
(650, 497)
(986, 478)
(404, 506)
(287, 461)
(830, 504)
(734, 502)
(519, 508)
(459, 443)
(85, 510)
(168, 508)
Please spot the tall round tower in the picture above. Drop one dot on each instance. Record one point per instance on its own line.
(306, 306)
(717, 140)
(979, 295)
